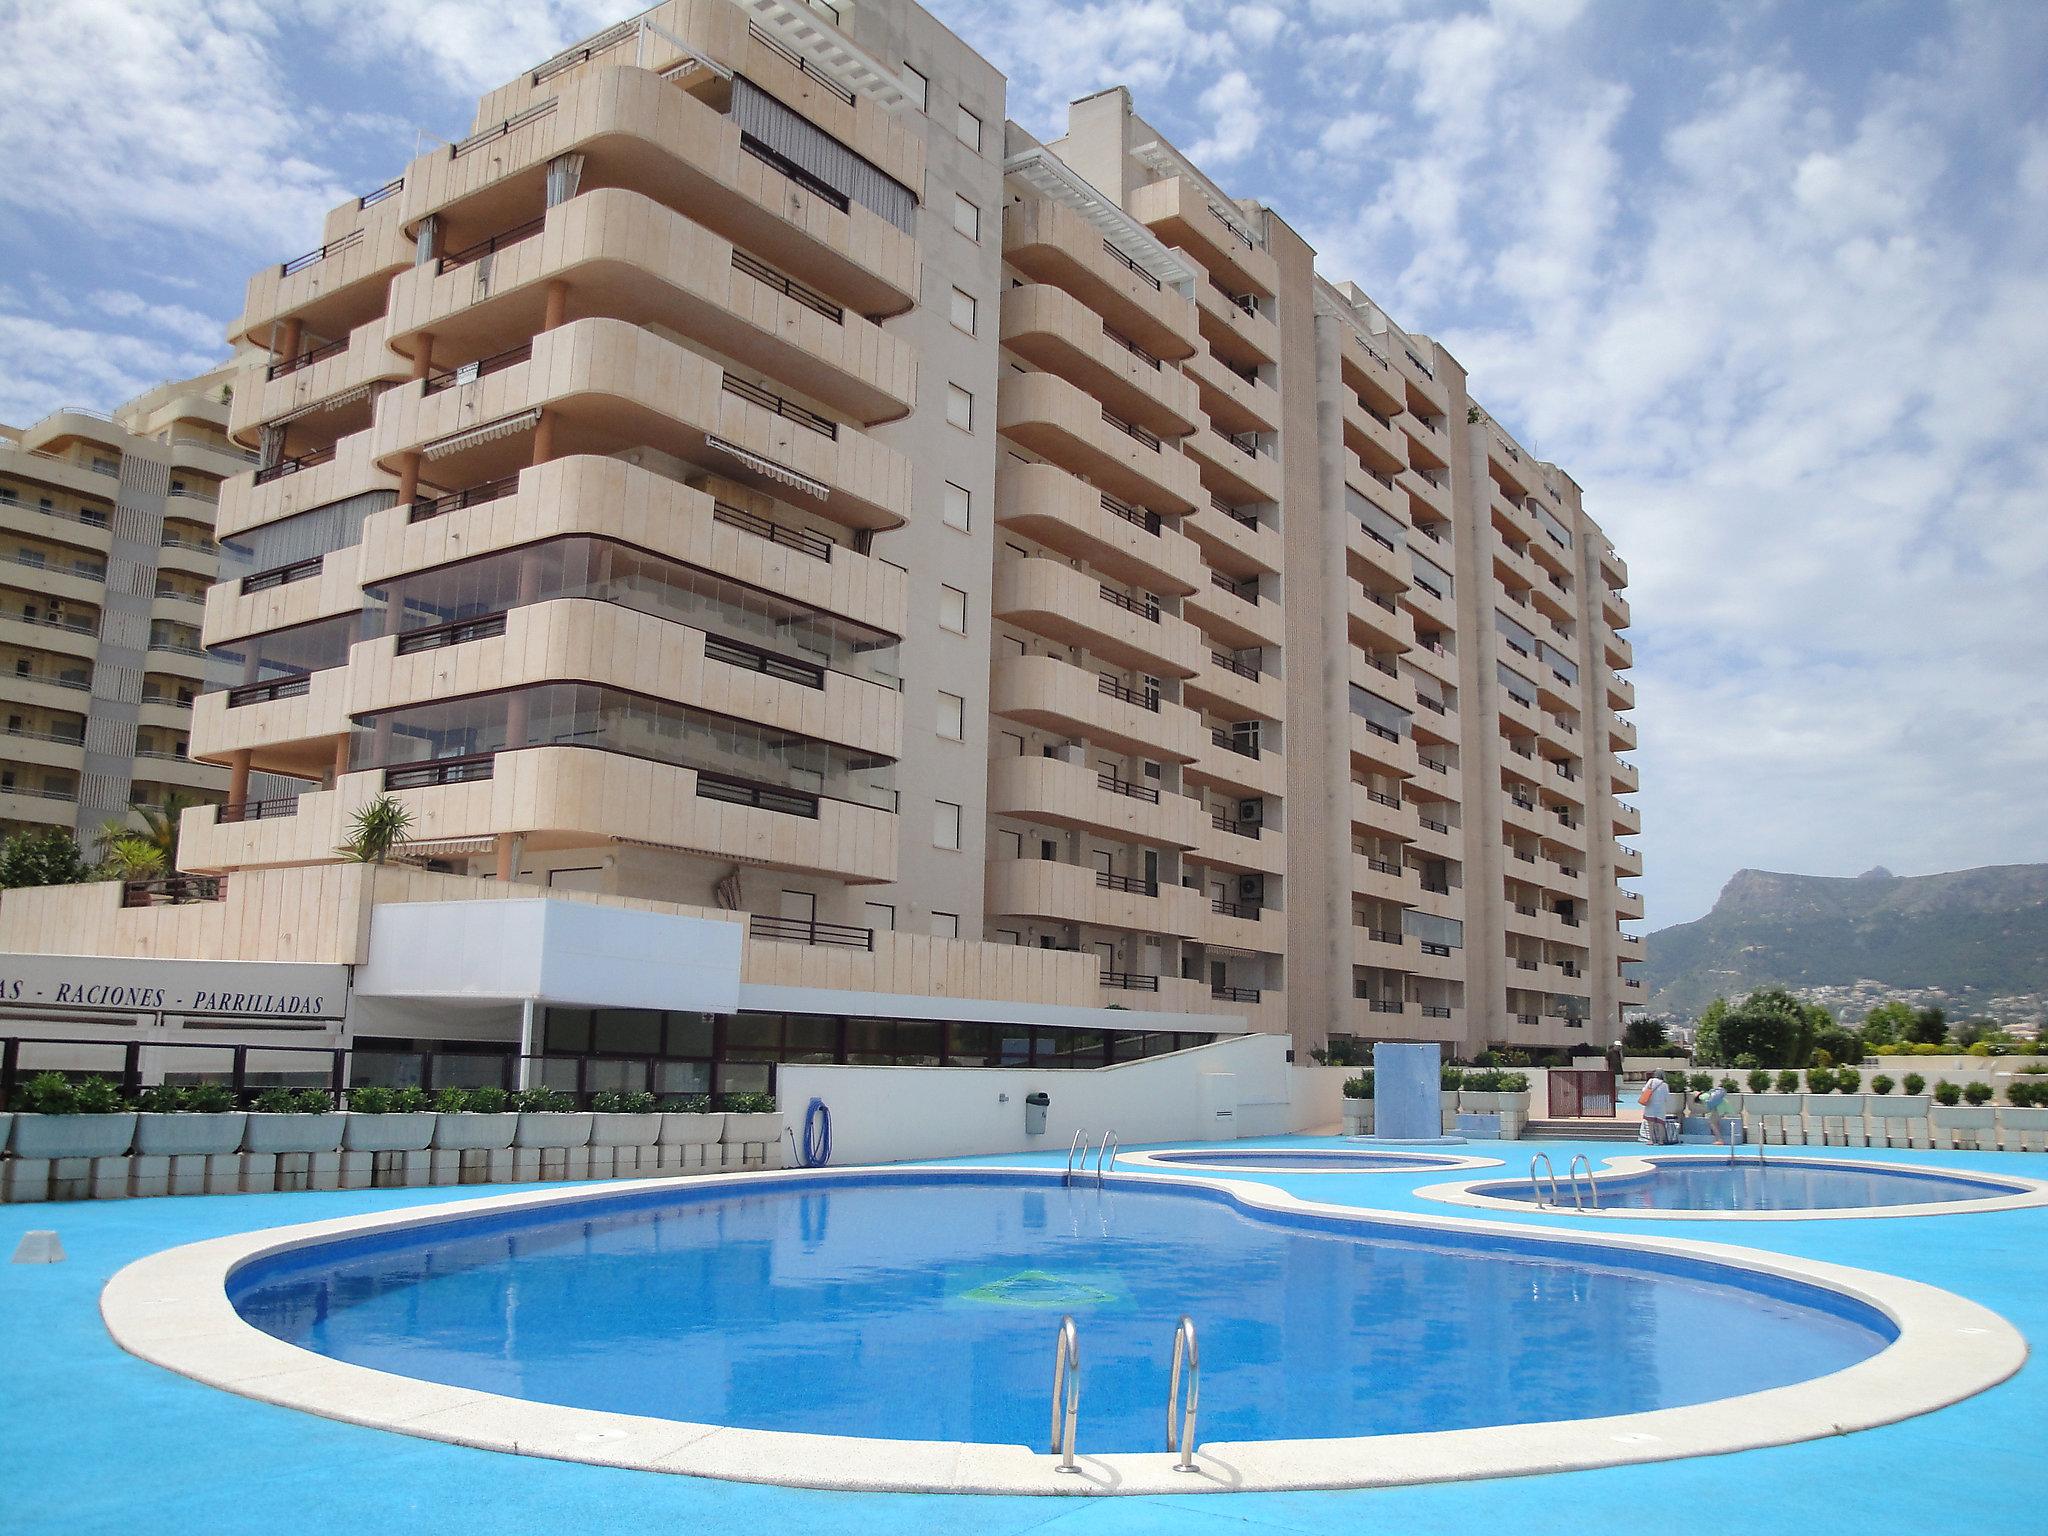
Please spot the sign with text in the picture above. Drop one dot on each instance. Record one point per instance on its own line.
(189, 988)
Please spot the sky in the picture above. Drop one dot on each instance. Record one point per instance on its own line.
(1770, 280)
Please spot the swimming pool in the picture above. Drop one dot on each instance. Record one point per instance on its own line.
(922, 1308)
(1298, 1160)
(1751, 1187)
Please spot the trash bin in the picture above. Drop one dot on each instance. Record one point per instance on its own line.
(1035, 1106)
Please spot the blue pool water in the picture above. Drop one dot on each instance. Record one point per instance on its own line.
(1715, 1184)
(1280, 1160)
(922, 1306)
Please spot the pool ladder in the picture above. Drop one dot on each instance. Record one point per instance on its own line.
(1556, 1200)
(1077, 1155)
(1066, 1393)
(1180, 1412)
(1181, 1438)
(1111, 1145)
(1077, 1152)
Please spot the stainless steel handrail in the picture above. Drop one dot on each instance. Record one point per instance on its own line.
(1109, 1148)
(1572, 1173)
(1066, 1384)
(1537, 1189)
(1079, 1147)
(1181, 1438)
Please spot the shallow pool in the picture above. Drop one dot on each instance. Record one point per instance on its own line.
(917, 1305)
(1747, 1184)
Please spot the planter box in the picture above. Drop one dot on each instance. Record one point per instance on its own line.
(681, 1129)
(389, 1133)
(189, 1135)
(1971, 1120)
(1358, 1117)
(272, 1135)
(464, 1131)
(59, 1136)
(1845, 1107)
(6, 1126)
(766, 1128)
(609, 1129)
(1447, 1110)
(1783, 1107)
(2022, 1126)
(548, 1129)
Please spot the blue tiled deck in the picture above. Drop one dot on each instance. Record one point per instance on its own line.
(94, 1440)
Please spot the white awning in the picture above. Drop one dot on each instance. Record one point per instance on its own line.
(826, 50)
(774, 471)
(330, 403)
(489, 432)
(1052, 178)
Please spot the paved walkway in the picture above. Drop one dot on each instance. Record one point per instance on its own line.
(96, 1441)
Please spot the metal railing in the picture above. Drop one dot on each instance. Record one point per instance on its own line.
(455, 260)
(803, 540)
(468, 373)
(300, 263)
(729, 790)
(1145, 610)
(805, 930)
(283, 575)
(1232, 664)
(1181, 1437)
(1592, 1187)
(452, 770)
(810, 298)
(423, 509)
(1149, 521)
(1133, 885)
(1122, 260)
(1126, 788)
(1131, 347)
(1116, 690)
(1066, 1393)
(389, 189)
(173, 890)
(1130, 981)
(459, 632)
(1078, 1149)
(1137, 434)
(319, 354)
(293, 465)
(1235, 994)
(1242, 746)
(501, 129)
(1551, 1169)
(767, 399)
(1224, 908)
(754, 658)
(275, 688)
(1236, 828)
(1111, 1145)
(258, 810)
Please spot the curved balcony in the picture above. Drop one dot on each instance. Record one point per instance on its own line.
(1066, 513)
(299, 485)
(608, 386)
(626, 256)
(1049, 416)
(289, 726)
(1236, 690)
(563, 797)
(1232, 468)
(1222, 766)
(1070, 893)
(232, 614)
(321, 396)
(1248, 848)
(1053, 792)
(1055, 695)
(1232, 402)
(1074, 608)
(637, 130)
(1178, 211)
(1230, 618)
(1232, 545)
(1234, 332)
(1051, 243)
(1050, 328)
(334, 289)
(717, 528)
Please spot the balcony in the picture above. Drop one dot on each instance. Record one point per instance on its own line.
(1067, 514)
(1233, 401)
(1376, 621)
(1053, 418)
(1056, 695)
(608, 386)
(1178, 211)
(1229, 764)
(51, 636)
(1241, 847)
(626, 256)
(1383, 814)
(1628, 905)
(1051, 243)
(1373, 438)
(1370, 375)
(1621, 733)
(638, 131)
(1375, 749)
(1628, 862)
(1233, 326)
(1621, 693)
(563, 797)
(1055, 331)
(1051, 791)
(1236, 688)
(1428, 501)
(1378, 877)
(1624, 776)
(1245, 926)
(1234, 615)
(1232, 540)
(333, 289)
(1070, 893)
(1236, 468)
(251, 501)
(1073, 608)
(289, 725)
(326, 394)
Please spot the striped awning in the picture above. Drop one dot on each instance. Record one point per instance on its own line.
(489, 432)
(329, 403)
(774, 471)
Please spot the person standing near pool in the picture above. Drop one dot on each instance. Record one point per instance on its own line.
(1656, 1102)
(1710, 1104)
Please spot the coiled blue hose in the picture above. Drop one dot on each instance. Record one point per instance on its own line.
(817, 1148)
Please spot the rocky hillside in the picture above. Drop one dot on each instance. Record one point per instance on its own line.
(1974, 941)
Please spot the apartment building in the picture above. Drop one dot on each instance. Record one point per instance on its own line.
(106, 554)
(992, 598)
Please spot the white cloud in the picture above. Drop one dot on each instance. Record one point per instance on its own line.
(1236, 112)
(1348, 134)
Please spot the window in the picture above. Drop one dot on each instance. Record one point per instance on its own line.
(963, 311)
(966, 217)
(945, 925)
(917, 86)
(959, 506)
(969, 130)
(960, 407)
(881, 916)
(952, 716)
(953, 610)
(945, 824)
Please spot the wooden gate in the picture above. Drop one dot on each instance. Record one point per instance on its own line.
(1580, 1093)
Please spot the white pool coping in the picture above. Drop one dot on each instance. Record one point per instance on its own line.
(2033, 1193)
(172, 1309)
(1181, 1160)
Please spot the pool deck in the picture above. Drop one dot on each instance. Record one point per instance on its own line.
(99, 1441)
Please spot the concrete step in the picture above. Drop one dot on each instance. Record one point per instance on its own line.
(1579, 1130)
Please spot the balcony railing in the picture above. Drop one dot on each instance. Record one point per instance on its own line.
(824, 426)
(293, 465)
(258, 810)
(300, 263)
(803, 540)
(1235, 994)
(283, 575)
(450, 770)
(1131, 347)
(1124, 261)
(474, 496)
(499, 130)
(1130, 981)
(1149, 521)
(1431, 824)
(469, 254)
(173, 890)
(805, 930)
(389, 189)
(1137, 434)
(753, 658)
(1384, 1005)
(1148, 699)
(1229, 663)
(1149, 611)
(1223, 908)
(810, 298)
(1235, 828)
(1435, 1011)
(1242, 746)
(728, 790)
(1381, 797)
(1133, 885)
(460, 632)
(468, 373)
(319, 354)
(1126, 788)
(1383, 935)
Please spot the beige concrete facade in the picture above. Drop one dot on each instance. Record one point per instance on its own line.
(747, 476)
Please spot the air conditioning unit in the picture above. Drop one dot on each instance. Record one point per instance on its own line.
(1251, 887)
(1251, 810)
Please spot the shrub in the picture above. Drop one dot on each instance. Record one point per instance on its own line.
(1702, 1081)
(2032, 1067)
(749, 1103)
(451, 1101)
(1450, 1077)
(1819, 1079)
(543, 1101)
(1848, 1080)
(614, 1101)
(1359, 1087)
(1514, 1082)
(294, 1101)
(1759, 1081)
(370, 1100)
(490, 1100)
(99, 1096)
(1915, 1083)
(2020, 1095)
(410, 1101)
(163, 1099)
(275, 1101)
(700, 1103)
(1788, 1082)
(1947, 1093)
(209, 1099)
(1881, 1084)
(1977, 1093)
(49, 1093)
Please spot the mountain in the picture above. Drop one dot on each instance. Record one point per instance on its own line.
(1974, 941)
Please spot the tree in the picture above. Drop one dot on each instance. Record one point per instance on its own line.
(132, 852)
(378, 827)
(1888, 1023)
(1844, 1046)
(1771, 1025)
(1930, 1026)
(1645, 1034)
(48, 857)
(1707, 1046)
(1970, 1031)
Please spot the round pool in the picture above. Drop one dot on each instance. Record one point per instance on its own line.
(920, 1307)
(1746, 1186)
(1299, 1160)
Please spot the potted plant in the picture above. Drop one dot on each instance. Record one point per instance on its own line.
(1787, 1082)
(1952, 1115)
(196, 1121)
(286, 1121)
(548, 1120)
(387, 1120)
(750, 1120)
(627, 1127)
(1881, 1085)
(1848, 1080)
(60, 1118)
(2026, 1116)
(473, 1120)
(687, 1123)
(1358, 1105)
(1759, 1081)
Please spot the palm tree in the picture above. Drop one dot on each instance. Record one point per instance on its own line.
(377, 828)
(147, 851)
